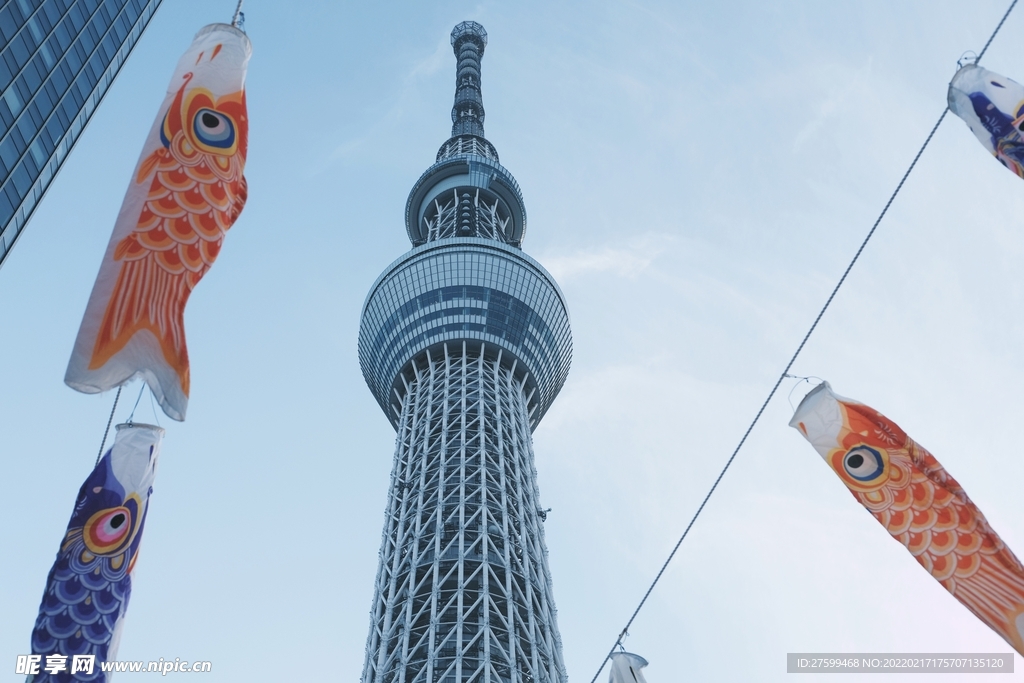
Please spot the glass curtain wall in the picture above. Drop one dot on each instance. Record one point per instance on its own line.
(57, 60)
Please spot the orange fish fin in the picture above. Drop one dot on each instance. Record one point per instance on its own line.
(149, 163)
(996, 595)
(125, 247)
(146, 296)
(241, 194)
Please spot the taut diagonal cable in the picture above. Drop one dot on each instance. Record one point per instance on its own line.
(785, 372)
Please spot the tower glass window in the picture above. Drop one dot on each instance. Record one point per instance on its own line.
(57, 60)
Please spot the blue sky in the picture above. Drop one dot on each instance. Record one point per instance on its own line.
(697, 176)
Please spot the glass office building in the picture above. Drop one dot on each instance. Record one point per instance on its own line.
(465, 343)
(57, 60)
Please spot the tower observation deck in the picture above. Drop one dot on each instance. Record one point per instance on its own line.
(464, 342)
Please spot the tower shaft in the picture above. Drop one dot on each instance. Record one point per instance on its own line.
(463, 591)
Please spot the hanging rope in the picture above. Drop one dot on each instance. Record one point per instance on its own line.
(785, 372)
(238, 15)
(107, 430)
(152, 405)
(135, 407)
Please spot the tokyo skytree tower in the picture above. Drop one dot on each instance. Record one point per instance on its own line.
(465, 342)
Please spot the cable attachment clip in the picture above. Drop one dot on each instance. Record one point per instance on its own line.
(804, 379)
(970, 56)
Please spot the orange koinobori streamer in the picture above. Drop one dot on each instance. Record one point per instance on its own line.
(185, 194)
(906, 489)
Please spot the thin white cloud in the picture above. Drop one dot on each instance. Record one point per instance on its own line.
(369, 137)
(842, 94)
(623, 261)
(441, 57)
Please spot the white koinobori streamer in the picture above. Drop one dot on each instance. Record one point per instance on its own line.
(626, 668)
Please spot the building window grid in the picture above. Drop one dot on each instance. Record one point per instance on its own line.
(530, 293)
(23, 203)
(546, 367)
(32, 101)
(467, 246)
(41, 36)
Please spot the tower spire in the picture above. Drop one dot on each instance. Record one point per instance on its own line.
(468, 41)
(467, 192)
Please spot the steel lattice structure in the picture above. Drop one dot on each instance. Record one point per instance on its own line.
(465, 343)
(463, 535)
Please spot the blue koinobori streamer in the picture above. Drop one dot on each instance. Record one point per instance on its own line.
(993, 108)
(82, 611)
